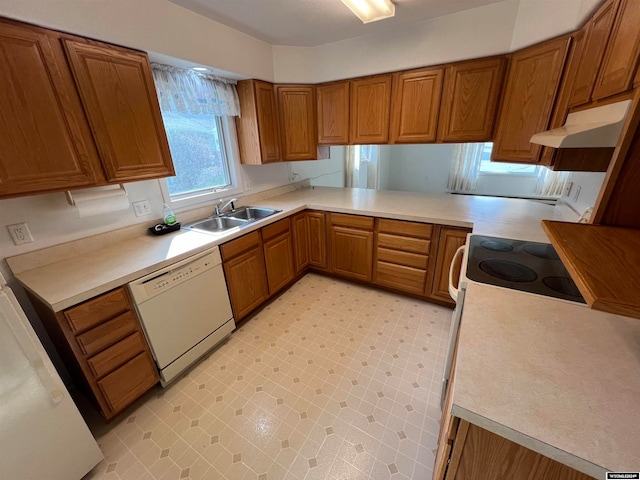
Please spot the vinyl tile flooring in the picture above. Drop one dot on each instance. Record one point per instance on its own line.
(332, 380)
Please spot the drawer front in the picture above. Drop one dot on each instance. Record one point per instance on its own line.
(401, 277)
(355, 221)
(239, 245)
(414, 260)
(123, 351)
(108, 333)
(410, 229)
(127, 383)
(93, 312)
(406, 244)
(275, 229)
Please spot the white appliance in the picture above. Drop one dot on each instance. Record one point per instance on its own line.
(184, 310)
(42, 434)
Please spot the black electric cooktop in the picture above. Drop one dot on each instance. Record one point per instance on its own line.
(527, 266)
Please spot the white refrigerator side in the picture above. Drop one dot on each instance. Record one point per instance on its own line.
(42, 434)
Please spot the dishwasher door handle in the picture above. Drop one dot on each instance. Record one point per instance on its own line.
(453, 291)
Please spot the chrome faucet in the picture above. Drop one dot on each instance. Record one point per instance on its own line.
(220, 209)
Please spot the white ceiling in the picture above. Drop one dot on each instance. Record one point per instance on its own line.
(309, 23)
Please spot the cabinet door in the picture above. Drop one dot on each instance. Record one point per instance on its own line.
(247, 282)
(297, 112)
(596, 35)
(530, 93)
(301, 241)
(470, 100)
(415, 105)
(278, 258)
(333, 113)
(267, 116)
(621, 56)
(449, 241)
(45, 141)
(317, 239)
(369, 112)
(120, 100)
(351, 252)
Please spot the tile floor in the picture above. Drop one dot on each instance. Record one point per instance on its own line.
(331, 381)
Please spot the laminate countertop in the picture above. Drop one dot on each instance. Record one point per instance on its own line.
(551, 375)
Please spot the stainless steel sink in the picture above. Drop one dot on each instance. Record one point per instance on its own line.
(252, 213)
(227, 221)
(217, 224)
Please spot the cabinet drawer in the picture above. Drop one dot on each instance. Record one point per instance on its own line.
(128, 382)
(274, 229)
(401, 277)
(105, 335)
(414, 260)
(239, 245)
(410, 229)
(96, 311)
(355, 221)
(406, 244)
(114, 356)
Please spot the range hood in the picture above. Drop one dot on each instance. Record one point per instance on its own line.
(591, 128)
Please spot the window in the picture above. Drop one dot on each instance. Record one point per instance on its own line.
(197, 112)
(487, 167)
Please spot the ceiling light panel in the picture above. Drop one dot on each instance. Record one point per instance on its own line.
(371, 10)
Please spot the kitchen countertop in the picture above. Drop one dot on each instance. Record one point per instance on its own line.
(564, 384)
(559, 386)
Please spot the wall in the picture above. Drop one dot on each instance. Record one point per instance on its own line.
(323, 173)
(419, 168)
(590, 184)
(154, 26)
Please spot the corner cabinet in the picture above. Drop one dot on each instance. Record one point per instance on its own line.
(530, 94)
(370, 100)
(86, 114)
(258, 127)
(119, 97)
(470, 100)
(415, 105)
(45, 141)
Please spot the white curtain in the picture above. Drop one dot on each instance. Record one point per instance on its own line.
(465, 167)
(352, 165)
(550, 183)
(361, 166)
(185, 91)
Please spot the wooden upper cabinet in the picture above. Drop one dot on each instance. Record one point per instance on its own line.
(621, 56)
(470, 100)
(119, 97)
(530, 93)
(258, 130)
(333, 113)
(45, 142)
(595, 40)
(369, 113)
(297, 113)
(415, 105)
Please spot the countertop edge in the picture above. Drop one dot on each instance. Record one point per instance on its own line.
(531, 443)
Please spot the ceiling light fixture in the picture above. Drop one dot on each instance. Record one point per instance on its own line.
(199, 69)
(371, 10)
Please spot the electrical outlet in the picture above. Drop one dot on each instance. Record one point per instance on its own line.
(567, 188)
(248, 184)
(577, 194)
(20, 233)
(141, 208)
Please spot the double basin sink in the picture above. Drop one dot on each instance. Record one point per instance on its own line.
(225, 222)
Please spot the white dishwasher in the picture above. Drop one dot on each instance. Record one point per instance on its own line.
(184, 310)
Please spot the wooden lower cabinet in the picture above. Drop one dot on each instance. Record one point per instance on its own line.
(278, 255)
(478, 453)
(351, 240)
(318, 240)
(403, 255)
(449, 240)
(103, 347)
(245, 272)
(300, 228)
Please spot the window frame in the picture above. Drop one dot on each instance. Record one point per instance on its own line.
(202, 197)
